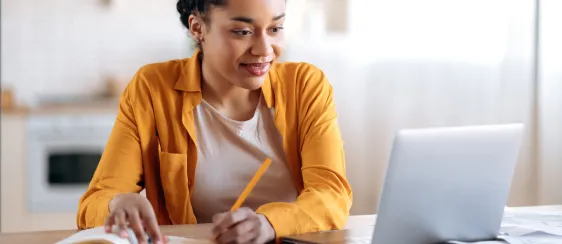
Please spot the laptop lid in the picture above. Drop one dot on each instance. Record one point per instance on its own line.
(441, 184)
(446, 184)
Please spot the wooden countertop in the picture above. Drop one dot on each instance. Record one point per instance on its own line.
(102, 105)
(362, 224)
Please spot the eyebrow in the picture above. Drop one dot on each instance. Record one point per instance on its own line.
(250, 20)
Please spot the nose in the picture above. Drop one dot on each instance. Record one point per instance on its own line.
(262, 46)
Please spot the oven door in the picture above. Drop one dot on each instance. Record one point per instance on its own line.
(60, 167)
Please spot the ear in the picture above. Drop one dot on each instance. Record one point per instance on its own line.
(196, 27)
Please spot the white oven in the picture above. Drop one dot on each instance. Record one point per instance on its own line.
(63, 153)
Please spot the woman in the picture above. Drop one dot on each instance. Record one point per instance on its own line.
(193, 132)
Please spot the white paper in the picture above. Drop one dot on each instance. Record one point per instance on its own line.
(531, 228)
(528, 228)
(532, 222)
(533, 238)
(99, 234)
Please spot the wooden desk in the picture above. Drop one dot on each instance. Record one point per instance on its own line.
(360, 221)
(51, 237)
(360, 226)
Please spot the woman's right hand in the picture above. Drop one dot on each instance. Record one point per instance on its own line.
(133, 210)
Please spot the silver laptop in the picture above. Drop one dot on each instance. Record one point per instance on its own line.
(442, 184)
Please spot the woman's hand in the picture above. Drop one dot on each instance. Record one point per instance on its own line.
(133, 210)
(242, 226)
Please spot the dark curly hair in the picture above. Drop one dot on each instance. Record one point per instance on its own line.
(188, 7)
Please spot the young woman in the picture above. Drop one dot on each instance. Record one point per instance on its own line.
(193, 132)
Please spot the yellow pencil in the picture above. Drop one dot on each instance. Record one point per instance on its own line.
(251, 185)
(248, 188)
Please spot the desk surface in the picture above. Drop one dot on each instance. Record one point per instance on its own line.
(362, 223)
(51, 237)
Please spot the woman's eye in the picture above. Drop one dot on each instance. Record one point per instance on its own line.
(242, 32)
(276, 29)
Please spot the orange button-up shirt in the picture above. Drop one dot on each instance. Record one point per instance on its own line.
(153, 145)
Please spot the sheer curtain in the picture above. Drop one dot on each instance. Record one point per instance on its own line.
(411, 64)
(550, 103)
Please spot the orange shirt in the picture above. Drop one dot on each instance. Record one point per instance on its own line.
(153, 145)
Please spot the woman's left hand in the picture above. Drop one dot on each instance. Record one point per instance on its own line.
(242, 226)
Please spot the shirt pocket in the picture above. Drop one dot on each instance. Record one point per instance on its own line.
(172, 162)
(175, 184)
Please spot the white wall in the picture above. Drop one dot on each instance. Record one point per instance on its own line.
(68, 47)
(395, 68)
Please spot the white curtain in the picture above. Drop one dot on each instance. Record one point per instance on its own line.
(411, 64)
(550, 103)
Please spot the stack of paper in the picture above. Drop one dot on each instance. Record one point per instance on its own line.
(529, 228)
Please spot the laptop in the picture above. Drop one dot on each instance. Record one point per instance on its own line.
(441, 185)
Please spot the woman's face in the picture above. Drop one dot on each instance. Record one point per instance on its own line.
(242, 39)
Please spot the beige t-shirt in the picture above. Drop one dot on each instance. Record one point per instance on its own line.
(229, 154)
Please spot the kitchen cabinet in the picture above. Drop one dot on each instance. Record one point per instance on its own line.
(14, 215)
(33, 143)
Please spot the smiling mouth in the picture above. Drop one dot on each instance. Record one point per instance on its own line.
(256, 69)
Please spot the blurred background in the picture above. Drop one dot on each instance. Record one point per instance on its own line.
(393, 64)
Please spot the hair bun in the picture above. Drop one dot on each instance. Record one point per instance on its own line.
(188, 7)
(185, 8)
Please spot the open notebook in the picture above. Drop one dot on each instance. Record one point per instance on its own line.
(98, 236)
